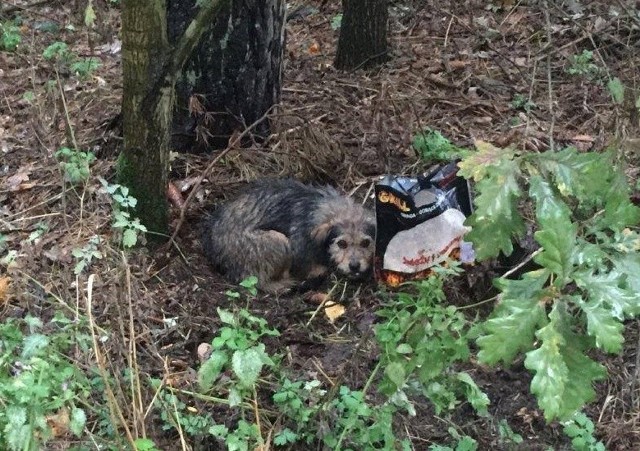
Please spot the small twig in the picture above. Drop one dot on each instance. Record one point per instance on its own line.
(549, 79)
(522, 263)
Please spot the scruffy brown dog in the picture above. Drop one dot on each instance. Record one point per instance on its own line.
(283, 231)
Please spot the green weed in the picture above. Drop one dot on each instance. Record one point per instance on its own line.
(75, 164)
(580, 429)
(38, 384)
(10, 36)
(130, 228)
(583, 65)
(421, 338)
(431, 145)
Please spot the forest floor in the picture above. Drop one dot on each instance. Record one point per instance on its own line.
(505, 72)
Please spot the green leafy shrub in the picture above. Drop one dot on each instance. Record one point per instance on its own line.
(584, 66)
(588, 280)
(75, 164)
(433, 145)
(580, 429)
(38, 384)
(10, 36)
(421, 338)
(59, 53)
(123, 205)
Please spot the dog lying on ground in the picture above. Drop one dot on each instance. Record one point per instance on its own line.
(284, 232)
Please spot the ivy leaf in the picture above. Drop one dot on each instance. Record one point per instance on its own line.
(210, 369)
(247, 364)
(515, 320)
(227, 317)
(551, 371)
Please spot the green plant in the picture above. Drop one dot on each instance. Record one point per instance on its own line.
(588, 277)
(432, 145)
(421, 338)
(85, 255)
(584, 66)
(507, 435)
(75, 164)
(123, 203)
(336, 22)
(39, 386)
(237, 347)
(9, 36)
(616, 89)
(580, 429)
(347, 421)
(520, 102)
(463, 443)
(59, 53)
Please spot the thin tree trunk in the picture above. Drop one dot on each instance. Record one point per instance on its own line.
(233, 77)
(363, 34)
(150, 68)
(143, 165)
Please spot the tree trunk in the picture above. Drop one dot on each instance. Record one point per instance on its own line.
(233, 77)
(150, 67)
(363, 34)
(143, 165)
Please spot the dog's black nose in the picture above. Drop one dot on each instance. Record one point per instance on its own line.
(354, 266)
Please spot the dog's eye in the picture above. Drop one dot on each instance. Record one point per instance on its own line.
(365, 243)
(342, 244)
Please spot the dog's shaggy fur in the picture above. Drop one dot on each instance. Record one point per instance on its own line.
(283, 231)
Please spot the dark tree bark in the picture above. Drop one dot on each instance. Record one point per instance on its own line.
(234, 75)
(363, 34)
(150, 66)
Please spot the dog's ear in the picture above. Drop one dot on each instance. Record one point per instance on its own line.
(370, 228)
(324, 234)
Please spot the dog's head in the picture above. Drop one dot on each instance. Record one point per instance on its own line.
(349, 241)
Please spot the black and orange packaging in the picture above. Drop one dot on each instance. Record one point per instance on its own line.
(420, 223)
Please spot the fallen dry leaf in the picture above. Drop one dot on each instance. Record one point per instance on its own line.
(334, 311)
(174, 196)
(59, 422)
(4, 290)
(314, 48)
(15, 182)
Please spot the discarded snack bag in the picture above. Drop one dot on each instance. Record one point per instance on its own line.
(420, 223)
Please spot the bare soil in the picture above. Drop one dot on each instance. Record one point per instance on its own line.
(458, 67)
